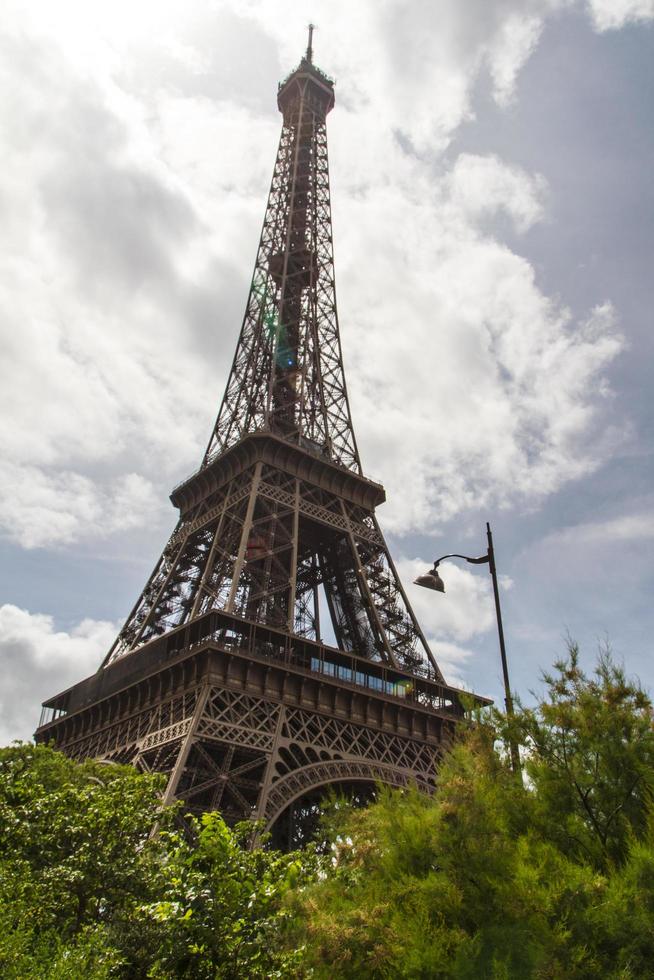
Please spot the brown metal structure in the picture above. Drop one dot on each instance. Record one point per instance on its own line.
(222, 677)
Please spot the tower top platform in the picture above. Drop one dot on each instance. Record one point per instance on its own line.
(306, 77)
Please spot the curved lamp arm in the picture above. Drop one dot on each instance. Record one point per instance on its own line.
(473, 561)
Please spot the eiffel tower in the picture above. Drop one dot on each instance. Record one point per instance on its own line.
(273, 651)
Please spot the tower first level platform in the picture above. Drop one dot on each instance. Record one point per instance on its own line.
(247, 719)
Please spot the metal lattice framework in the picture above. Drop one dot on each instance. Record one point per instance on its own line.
(264, 545)
(266, 533)
(273, 649)
(234, 730)
(287, 375)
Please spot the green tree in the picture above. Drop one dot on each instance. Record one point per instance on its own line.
(76, 856)
(222, 909)
(591, 759)
(97, 881)
(494, 878)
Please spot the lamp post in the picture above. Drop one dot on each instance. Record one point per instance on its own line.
(432, 580)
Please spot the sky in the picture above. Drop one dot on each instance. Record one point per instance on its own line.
(493, 205)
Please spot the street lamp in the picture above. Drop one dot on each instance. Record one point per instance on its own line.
(432, 580)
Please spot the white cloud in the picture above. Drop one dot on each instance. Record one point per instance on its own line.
(38, 661)
(414, 62)
(517, 38)
(596, 574)
(483, 185)
(465, 609)
(452, 660)
(612, 14)
(615, 531)
(465, 375)
(104, 317)
(43, 509)
(139, 150)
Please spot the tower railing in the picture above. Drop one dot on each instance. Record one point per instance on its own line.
(239, 636)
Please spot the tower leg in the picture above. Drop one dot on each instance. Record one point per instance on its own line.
(185, 748)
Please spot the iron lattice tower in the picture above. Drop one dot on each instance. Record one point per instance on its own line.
(221, 676)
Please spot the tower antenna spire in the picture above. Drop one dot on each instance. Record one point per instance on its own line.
(309, 55)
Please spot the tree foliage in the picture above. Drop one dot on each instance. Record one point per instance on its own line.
(221, 912)
(591, 759)
(548, 877)
(97, 880)
(76, 860)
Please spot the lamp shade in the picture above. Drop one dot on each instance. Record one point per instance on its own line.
(431, 580)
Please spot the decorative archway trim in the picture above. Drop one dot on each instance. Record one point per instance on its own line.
(295, 784)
